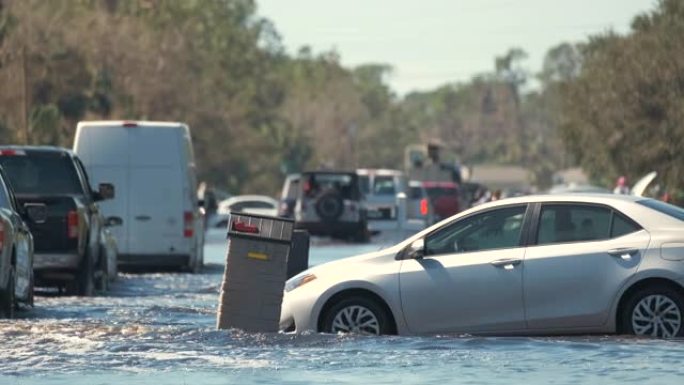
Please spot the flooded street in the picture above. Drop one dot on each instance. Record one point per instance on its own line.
(161, 327)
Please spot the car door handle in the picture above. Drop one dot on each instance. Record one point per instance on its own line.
(143, 218)
(624, 253)
(506, 264)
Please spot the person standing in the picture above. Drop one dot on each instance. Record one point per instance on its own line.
(621, 186)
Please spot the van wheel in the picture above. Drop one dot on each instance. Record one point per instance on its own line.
(7, 296)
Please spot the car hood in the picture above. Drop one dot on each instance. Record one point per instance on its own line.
(352, 263)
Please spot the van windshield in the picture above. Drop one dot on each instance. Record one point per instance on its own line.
(44, 173)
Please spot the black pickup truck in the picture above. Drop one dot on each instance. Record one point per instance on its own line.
(68, 253)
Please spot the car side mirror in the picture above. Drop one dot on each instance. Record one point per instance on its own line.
(36, 212)
(104, 191)
(416, 250)
(113, 221)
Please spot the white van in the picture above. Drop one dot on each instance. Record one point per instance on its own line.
(152, 167)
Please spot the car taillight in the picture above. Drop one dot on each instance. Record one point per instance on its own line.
(424, 207)
(72, 224)
(11, 152)
(2, 235)
(188, 224)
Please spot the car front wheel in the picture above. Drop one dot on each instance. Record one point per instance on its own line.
(358, 315)
(655, 312)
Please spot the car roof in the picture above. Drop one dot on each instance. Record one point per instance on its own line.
(429, 184)
(37, 148)
(247, 198)
(330, 172)
(141, 123)
(379, 171)
(580, 198)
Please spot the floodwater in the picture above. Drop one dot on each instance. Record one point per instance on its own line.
(160, 328)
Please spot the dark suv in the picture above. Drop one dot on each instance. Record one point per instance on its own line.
(330, 203)
(68, 251)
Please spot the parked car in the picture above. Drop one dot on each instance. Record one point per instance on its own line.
(419, 205)
(153, 166)
(67, 243)
(288, 197)
(380, 188)
(249, 204)
(534, 265)
(445, 198)
(330, 203)
(16, 250)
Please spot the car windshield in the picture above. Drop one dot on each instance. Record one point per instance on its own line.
(384, 185)
(41, 173)
(665, 208)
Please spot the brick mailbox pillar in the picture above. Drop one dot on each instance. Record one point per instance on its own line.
(255, 273)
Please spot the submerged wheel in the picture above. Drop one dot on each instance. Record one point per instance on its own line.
(84, 284)
(654, 311)
(358, 315)
(7, 301)
(102, 283)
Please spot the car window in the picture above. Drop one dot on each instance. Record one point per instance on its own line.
(622, 226)
(42, 173)
(495, 229)
(415, 192)
(384, 185)
(346, 185)
(665, 208)
(292, 189)
(573, 223)
(364, 184)
(4, 196)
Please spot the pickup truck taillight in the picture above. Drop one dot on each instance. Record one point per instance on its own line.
(72, 224)
(2, 235)
(424, 207)
(188, 224)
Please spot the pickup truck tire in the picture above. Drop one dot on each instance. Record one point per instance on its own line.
(7, 296)
(84, 282)
(102, 282)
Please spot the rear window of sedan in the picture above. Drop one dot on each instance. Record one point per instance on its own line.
(665, 208)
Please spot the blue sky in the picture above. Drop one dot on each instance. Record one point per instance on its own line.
(432, 42)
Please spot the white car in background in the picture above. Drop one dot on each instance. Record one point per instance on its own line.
(534, 265)
(249, 204)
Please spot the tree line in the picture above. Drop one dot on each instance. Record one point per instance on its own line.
(258, 113)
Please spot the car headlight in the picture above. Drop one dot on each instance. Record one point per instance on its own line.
(298, 281)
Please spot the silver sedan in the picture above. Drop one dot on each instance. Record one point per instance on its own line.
(536, 265)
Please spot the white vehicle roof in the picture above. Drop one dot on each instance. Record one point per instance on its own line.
(142, 123)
